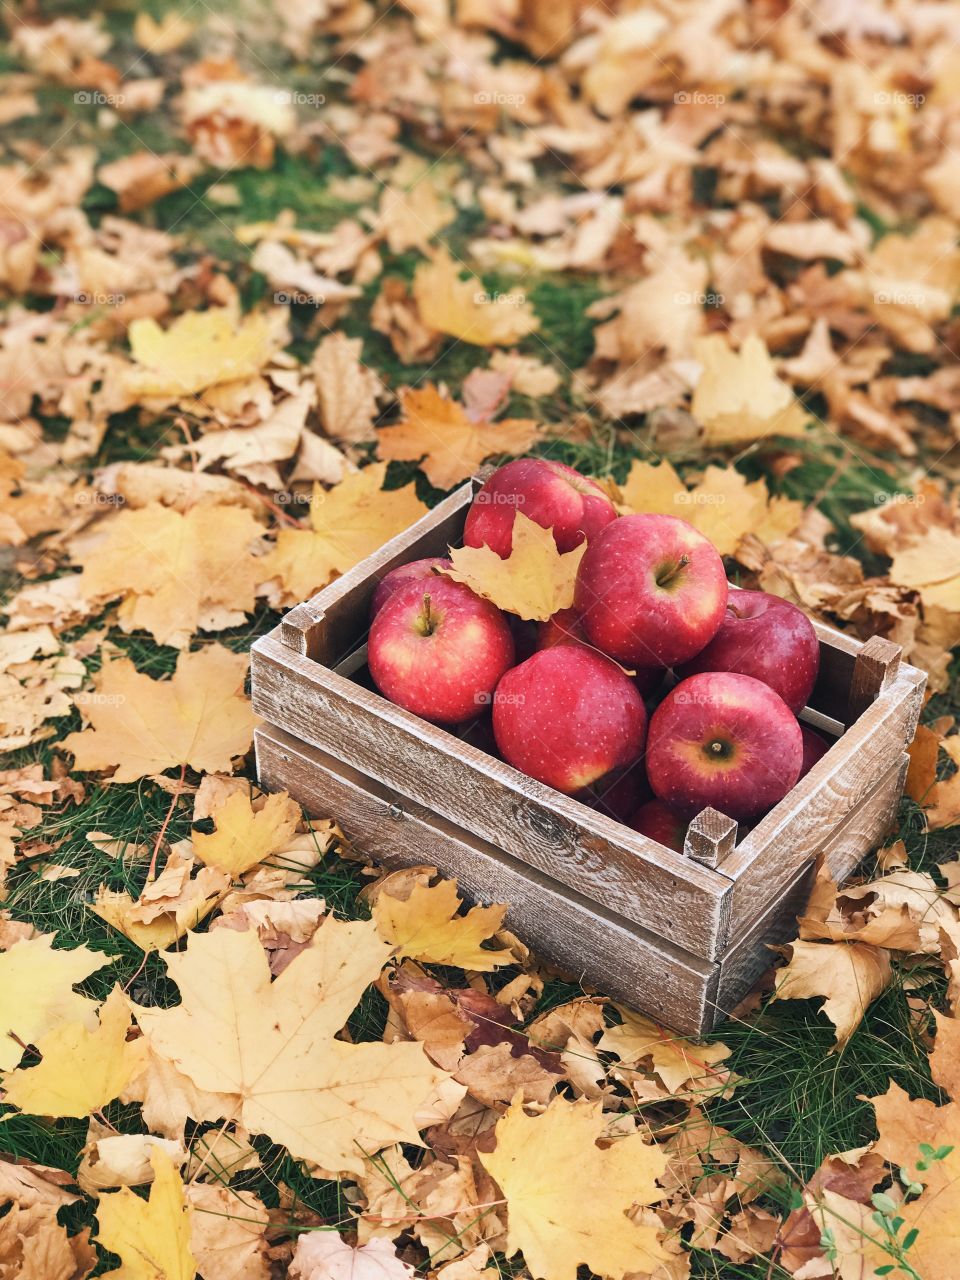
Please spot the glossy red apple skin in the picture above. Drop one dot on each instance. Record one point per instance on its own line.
(567, 716)
(415, 571)
(564, 627)
(815, 747)
(768, 638)
(651, 591)
(725, 740)
(554, 496)
(658, 822)
(438, 650)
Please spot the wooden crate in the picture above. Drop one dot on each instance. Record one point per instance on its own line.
(681, 936)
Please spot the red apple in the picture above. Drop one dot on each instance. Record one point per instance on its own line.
(562, 628)
(415, 571)
(768, 638)
(814, 748)
(552, 495)
(567, 716)
(659, 822)
(725, 740)
(439, 650)
(651, 591)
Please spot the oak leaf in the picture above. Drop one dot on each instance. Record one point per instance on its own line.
(568, 1199)
(151, 1236)
(200, 349)
(439, 434)
(272, 1045)
(349, 522)
(177, 572)
(739, 396)
(426, 926)
(243, 837)
(849, 975)
(36, 992)
(535, 581)
(464, 310)
(199, 717)
(80, 1070)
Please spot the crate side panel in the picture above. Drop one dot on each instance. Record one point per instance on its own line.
(594, 946)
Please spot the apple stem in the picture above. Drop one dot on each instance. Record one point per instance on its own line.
(427, 616)
(668, 578)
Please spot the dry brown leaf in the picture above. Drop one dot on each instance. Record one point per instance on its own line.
(848, 975)
(347, 389)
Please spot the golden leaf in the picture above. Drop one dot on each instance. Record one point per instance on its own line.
(568, 1199)
(167, 907)
(849, 975)
(200, 349)
(425, 926)
(177, 572)
(349, 522)
(534, 581)
(680, 1064)
(242, 836)
(151, 1236)
(437, 430)
(464, 310)
(80, 1070)
(739, 396)
(272, 1043)
(199, 717)
(347, 389)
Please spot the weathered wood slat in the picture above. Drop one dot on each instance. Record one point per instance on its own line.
(591, 944)
(602, 859)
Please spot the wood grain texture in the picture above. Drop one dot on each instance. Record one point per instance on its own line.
(592, 945)
(590, 853)
(875, 669)
(710, 837)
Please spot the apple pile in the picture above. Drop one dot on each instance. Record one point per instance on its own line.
(660, 692)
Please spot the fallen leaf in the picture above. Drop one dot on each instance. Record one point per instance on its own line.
(438, 433)
(347, 389)
(739, 396)
(113, 1160)
(684, 1068)
(848, 975)
(151, 1236)
(426, 926)
(227, 1232)
(325, 1255)
(199, 717)
(463, 309)
(243, 837)
(200, 349)
(568, 1199)
(535, 581)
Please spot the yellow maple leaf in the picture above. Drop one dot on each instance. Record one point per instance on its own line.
(272, 1043)
(463, 308)
(80, 1070)
(349, 522)
(243, 837)
(568, 1199)
(164, 911)
(679, 1063)
(930, 563)
(724, 505)
(200, 349)
(425, 926)
(739, 396)
(533, 582)
(152, 1237)
(849, 975)
(36, 992)
(177, 571)
(199, 717)
(437, 430)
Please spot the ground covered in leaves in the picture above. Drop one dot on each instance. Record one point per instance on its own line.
(274, 281)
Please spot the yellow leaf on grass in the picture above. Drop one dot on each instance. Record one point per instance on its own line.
(227, 1232)
(199, 717)
(437, 430)
(739, 396)
(349, 522)
(426, 927)
(346, 389)
(463, 308)
(679, 1063)
(151, 1236)
(849, 975)
(534, 581)
(273, 1043)
(178, 572)
(724, 505)
(931, 565)
(164, 911)
(36, 992)
(80, 1070)
(568, 1199)
(243, 837)
(200, 349)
